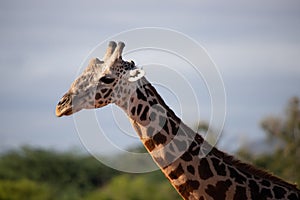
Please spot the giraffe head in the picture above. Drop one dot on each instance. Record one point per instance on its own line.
(102, 82)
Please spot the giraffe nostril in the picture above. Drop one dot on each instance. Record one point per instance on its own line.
(65, 100)
(61, 102)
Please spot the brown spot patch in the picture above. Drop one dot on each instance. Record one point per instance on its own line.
(187, 188)
(240, 193)
(219, 167)
(149, 144)
(98, 96)
(279, 192)
(219, 190)
(159, 138)
(204, 169)
(186, 157)
(191, 169)
(174, 174)
(144, 114)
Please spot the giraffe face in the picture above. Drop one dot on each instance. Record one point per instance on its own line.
(92, 84)
(101, 83)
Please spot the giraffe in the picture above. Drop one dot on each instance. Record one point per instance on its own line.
(195, 168)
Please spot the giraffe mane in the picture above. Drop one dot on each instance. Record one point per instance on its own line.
(250, 169)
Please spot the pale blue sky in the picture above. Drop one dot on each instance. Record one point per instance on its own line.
(255, 44)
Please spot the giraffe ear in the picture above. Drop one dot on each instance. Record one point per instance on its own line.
(136, 74)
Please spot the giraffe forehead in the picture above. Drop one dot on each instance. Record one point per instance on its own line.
(85, 80)
(92, 74)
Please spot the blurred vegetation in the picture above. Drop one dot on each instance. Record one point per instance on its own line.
(32, 173)
(285, 160)
(136, 187)
(45, 174)
(23, 188)
(55, 175)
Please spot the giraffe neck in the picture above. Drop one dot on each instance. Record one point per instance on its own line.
(196, 169)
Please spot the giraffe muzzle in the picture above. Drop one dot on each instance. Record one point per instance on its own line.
(64, 106)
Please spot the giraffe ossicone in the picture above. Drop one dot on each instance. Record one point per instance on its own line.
(196, 169)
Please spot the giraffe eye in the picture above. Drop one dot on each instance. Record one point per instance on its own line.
(107, 80)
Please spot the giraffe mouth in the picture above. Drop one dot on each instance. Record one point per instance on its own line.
(64, 106)
(65, 111)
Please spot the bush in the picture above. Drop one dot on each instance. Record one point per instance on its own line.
(24, 189)
(136, 187)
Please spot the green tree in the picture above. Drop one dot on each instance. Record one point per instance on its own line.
(153, 185)
(24, 189)
(136, 187)
(69, 175)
